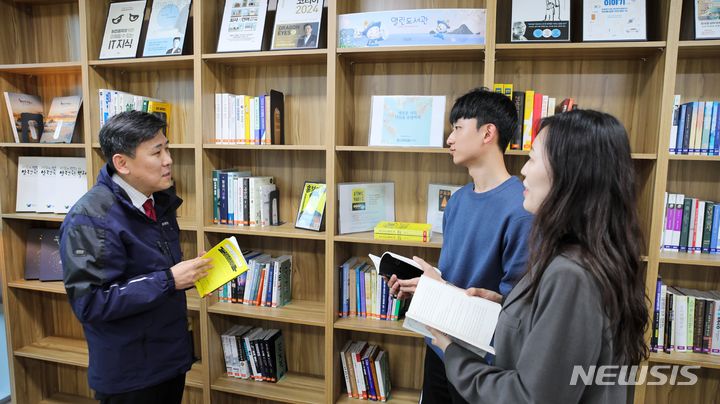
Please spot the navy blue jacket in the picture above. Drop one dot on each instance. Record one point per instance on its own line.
(116, 269)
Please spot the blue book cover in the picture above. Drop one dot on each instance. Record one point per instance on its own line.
(166, 28)
(270, 284)
(681, 130)
(407, 121)
(714, 247)
(714, 128)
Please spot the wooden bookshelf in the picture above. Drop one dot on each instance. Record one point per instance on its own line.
(51, 48)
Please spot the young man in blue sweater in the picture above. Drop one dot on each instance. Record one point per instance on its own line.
(485, 228)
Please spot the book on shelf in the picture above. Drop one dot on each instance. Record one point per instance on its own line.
(707, 18)
(416, 27)
(227, 263)
(33, 242)
(685, 320)
(26, 116)
(361, 206)
(690, 225)
(238, 199)
(60, 123)
(243, 119)
(243, 26)
(161, 110)
(49, 259)
(469, 321)
(364, 293)
(254, 353)
(437, 200)
(615, 20)
(122, 30)
(49, 184)
(270, 200)
(266, 283)
(386, 230)
(540, 21)
(695, 128)
(311, 209)
(366, 371)
(407, 120)
(166, 27)
(297, 24)
(113, 102)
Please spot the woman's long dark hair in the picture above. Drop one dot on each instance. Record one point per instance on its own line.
(591, 207)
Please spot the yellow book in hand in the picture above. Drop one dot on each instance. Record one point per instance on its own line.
(228, 263)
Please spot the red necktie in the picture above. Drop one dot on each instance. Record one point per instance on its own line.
(150, 209)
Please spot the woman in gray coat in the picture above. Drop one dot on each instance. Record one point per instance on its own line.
(582, 305)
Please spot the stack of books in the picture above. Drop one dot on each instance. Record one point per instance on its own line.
(363, 293)
(254, 353)
(691, 225)
(421, 232)
(266, 283)
(367, 371)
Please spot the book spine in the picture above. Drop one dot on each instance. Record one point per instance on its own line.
(708, 324)
(383, 236)
(680, 130)
(707, 226)
(674, 127)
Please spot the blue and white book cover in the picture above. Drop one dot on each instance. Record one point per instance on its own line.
(166, 29)
(407, 121)
(456, 26)
(614, 20)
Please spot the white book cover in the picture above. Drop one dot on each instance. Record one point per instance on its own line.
(540, 21)
(49, 189)
(28, 198)
(243, 25)
(707, 19)
(407, 120)
(60, 123)
(438, 197)
(26, 114)
(166, 28)
(614, 20)
(297, 24)
(449, 309)
(680, 322)
(361, 206)
(122, 30)
(72, 179)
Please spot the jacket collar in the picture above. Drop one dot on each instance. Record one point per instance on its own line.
(165, 201)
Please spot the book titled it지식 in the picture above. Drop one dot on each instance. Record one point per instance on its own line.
(227, 263)
(469, 321)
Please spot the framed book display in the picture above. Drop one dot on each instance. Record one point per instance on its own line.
(311, 210)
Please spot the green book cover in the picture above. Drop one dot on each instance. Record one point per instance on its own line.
(685, 230)
(707, 227)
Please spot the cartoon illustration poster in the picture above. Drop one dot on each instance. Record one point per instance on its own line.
(412, 28)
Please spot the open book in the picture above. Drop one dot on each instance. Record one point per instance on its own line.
(470, 321)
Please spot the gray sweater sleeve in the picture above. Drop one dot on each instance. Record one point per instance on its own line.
(566, 329)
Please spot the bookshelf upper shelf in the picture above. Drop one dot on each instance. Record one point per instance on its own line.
(580, 50)
(699, 49)
(671, 257)
(153, 63)
(42, 68)
(414, 53)
(309, 56)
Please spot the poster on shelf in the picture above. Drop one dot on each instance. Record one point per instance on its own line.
(422, 27)
(297, 24)
(166, 29)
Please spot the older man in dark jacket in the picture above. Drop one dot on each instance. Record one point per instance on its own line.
(123, 271)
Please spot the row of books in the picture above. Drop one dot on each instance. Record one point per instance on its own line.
(254, 353)
(531, 106)
(30, 124)
(42, 255)
(686, 320)
(365, 294)
(239, 199)
(420, 232)
(696, 128)
(113, 102)
(691, 225)
(267, 282)
(244, 119)
(49, 184)
(366, 369)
